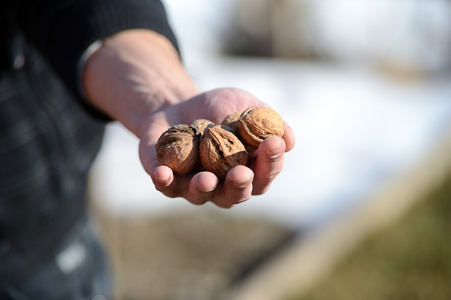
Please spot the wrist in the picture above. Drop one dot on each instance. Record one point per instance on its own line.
(135, 74)
(81, 65)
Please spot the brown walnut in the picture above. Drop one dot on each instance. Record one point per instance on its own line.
(231, 120)
(258, 123)
(201, 125)
(220, 150)
(178, 148)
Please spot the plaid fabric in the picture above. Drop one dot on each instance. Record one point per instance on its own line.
(80, 271)
(47, 145)
(49, 135)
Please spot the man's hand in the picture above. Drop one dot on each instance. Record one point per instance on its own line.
(136, 78)
(241, 182)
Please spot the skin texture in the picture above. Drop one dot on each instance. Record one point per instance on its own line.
(137, 78)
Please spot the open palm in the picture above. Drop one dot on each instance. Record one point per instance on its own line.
(241, 182)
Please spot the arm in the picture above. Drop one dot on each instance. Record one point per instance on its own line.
(136, 77)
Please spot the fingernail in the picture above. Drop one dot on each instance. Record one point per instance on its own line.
(243, 200)
(243, 185)
(161, 177)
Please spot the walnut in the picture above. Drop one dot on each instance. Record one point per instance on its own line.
(201, 125)
(178, 148)
(258, 123)
(217, 148)
(231, 120)
(220, 150)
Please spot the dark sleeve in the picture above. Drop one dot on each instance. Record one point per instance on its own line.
(63, 29)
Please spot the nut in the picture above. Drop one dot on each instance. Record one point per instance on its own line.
(178, 148)
(231, 121)
(201, 125)
(258, 123)
(220, 150)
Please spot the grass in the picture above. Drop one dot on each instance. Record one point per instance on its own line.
(408, 260)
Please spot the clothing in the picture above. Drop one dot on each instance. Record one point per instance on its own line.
(63, 29)
(47, 144)
(49, 134)
(79, 270)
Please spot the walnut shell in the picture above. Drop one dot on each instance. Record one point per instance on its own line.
(231, 120)
(258, 123)
(178, 148)
(220, 150)
(201, 125)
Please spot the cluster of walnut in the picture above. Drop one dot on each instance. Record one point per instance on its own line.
(217, 148)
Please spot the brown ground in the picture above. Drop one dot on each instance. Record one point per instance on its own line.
(186, 256)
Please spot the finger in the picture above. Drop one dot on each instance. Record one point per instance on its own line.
(289, 138)
(236, 188)
(268, 163)
(202, 188)
(164, 180)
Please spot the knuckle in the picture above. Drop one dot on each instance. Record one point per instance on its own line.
(275, 159)
(272, 175)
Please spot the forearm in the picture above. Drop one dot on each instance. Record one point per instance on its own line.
(136, 77)
(135, 74)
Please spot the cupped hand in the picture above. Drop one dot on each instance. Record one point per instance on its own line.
(242, 181)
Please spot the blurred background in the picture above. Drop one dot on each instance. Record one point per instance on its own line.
(361, 208)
